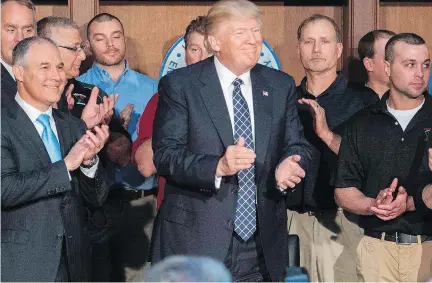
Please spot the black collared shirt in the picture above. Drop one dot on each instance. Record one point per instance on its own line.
(340, 101)
(375, 150)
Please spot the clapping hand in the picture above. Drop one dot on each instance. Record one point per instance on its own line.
(289, 173)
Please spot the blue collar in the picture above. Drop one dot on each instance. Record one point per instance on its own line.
(105, 74)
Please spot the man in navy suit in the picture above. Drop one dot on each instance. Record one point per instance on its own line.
(18, 21)
(49, 170)
(228, 139)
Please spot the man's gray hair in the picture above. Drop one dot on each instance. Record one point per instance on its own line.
(19, 53)
(45, 25)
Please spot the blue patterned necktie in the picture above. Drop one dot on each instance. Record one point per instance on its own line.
(49, 139)
(245, 217)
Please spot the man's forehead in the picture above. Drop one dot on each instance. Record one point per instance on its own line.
(39, 53)
(320, 28)
(16, 13)
(105, 27)
(405, 51)
(67, 34)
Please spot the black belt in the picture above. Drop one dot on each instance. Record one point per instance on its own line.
(122, 193)
(398, 238)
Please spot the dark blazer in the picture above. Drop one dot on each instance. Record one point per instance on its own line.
(8, 84)
(192, 130)
(41, 207)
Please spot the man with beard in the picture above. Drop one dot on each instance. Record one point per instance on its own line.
(328, 236)
(111, 72)
(18, 21)
(379, 150)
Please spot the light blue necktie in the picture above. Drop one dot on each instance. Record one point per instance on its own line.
(49, 139)
(245, 217)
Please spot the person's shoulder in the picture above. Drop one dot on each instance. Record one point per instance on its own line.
(273, 74)
(144, 78)
(85, 77)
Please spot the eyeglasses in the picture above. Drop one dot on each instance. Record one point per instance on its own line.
(76, 49)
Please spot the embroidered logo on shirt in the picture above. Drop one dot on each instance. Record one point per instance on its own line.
(79, 98)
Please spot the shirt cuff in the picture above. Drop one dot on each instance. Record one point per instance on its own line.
(218, 182)
(90, 172)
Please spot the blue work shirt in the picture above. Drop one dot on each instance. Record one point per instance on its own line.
(134, 88)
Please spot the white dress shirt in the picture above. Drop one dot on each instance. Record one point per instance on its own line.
(34, 113)
(226, 79)
(8, 68)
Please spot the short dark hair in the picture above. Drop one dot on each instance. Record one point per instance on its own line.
(45, 25)
(197, 25)
(366, 46)
(408, 38)
(100, 18)
(319, 17)
(20, 51)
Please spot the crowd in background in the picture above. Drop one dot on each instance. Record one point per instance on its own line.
(107, 171)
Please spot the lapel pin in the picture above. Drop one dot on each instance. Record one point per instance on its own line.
(265, 93)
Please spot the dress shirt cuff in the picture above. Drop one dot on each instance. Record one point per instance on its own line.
(90, 172)
(217, 182)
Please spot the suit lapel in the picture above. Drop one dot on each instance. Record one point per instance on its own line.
(27, 131)
(214, 101)
(7, 81)
(63, 131)
(263, 104)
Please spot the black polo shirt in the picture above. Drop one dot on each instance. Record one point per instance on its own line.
(340, 101)
(375, 150)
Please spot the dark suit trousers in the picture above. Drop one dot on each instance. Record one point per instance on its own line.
(63, 270)
(245, 260)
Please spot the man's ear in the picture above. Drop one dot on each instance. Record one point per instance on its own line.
(387, 68)
(214, 43)
(18, 72)
(87, 44)
(368, 64)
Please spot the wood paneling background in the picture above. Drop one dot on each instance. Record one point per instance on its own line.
(152, 29)
(416, 18)
(43, 11)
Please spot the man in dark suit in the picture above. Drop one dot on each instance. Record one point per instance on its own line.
(226, 135)
(49, 170)
(18, 21)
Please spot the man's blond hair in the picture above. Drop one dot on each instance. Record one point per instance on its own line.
(225, 10)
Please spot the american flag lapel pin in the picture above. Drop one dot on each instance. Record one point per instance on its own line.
(265, 93)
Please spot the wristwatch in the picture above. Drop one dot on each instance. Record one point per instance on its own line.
(92, 162)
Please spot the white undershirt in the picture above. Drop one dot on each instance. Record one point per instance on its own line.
(226, 79)
(404, 116)
(34, 114)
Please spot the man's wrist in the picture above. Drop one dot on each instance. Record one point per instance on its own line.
(327, 137)
(89, 163)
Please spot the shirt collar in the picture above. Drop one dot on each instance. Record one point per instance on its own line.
(8, 68)
(102, 71)
(381, 106)
(227, 77)
(337, 87)
(31, 111)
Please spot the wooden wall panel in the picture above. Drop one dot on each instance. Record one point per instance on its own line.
(151, 29)
(416, 18)
(43, 11)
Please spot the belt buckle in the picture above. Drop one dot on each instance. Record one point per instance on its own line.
(403, 244)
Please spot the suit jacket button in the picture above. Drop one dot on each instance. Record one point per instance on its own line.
(59, 236)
